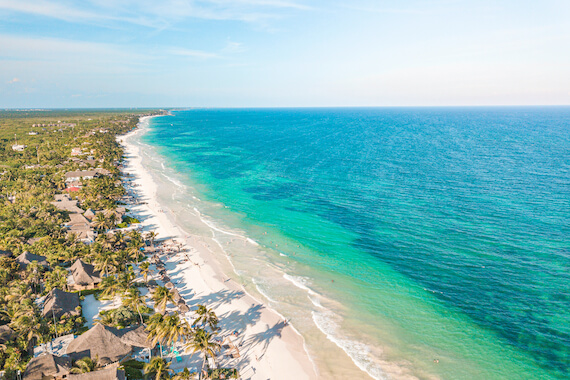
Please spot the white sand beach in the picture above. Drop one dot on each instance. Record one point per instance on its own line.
(268, 347)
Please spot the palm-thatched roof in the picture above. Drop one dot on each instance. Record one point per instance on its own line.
(6, 253)
(47, 366)
(84, 274)
(135, 336)
(27, 258)
(6, 334)
(99, 341)
(59, 303)
(111, 372)
(175, 295)
(183, 308)
(169, 285)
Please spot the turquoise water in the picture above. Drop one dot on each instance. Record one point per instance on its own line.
(405, 235)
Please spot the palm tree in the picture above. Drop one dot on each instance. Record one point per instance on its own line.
(134, 300)
(151, 236)
(118, 239)
(111, 220)
(203, 342)
(34, 274)
(158, 367)
(28, 329)
(84, 365)
(206, 317)
(100, 221)
(173, 329)
(104, 261)
(184, 375)
(145, 270)
(154, 328)
(110, 286)
(161, 298)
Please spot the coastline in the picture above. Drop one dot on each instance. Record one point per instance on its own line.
(269, 347)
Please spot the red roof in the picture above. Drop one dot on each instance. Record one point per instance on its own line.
(72, 188)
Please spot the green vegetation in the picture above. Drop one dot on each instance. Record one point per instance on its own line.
(35, 153)
(41, 154)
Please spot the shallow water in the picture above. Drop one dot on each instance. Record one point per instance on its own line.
(404, 235)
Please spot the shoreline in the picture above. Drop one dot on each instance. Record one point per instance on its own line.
(269, 347)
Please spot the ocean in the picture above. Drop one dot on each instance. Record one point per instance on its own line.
(400, 242)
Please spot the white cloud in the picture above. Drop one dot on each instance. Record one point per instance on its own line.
(151, 13)
(13, 80)
(192, 53)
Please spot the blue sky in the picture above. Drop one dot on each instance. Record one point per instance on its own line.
(240, 53)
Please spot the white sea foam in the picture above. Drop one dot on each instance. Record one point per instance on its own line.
(262, 292)
(300, 282)
(357, 351)
(315, 301)
(253, 242)
(174, 181)
(213, 226)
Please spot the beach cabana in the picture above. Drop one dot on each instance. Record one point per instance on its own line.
(83, 276)
(59, 303)
(183, 308)
(47, 366)
(27, 258)
(99, 341)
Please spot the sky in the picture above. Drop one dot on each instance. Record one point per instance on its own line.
(283, 53)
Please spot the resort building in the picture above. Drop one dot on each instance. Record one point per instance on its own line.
(83, 276)
(27, 258)
(76, 151)
(65, 203)
(59, 303)
(18, 147)
(77, 176)
(108, 344)
(47, 366)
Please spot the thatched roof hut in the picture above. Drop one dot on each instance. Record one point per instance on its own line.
(175, 295)
(6, 253)
(27, 258)
(84, 274)
(183, 308)
(6, 334)
(181, 302)
(47, 366)
(99, 341)
(59, 303)
(135, 336)
(169, 285)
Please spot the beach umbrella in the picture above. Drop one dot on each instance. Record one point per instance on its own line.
(169, 285)
(183, 308)
(181, 302)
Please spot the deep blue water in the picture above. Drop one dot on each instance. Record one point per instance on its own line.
(470, 204)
